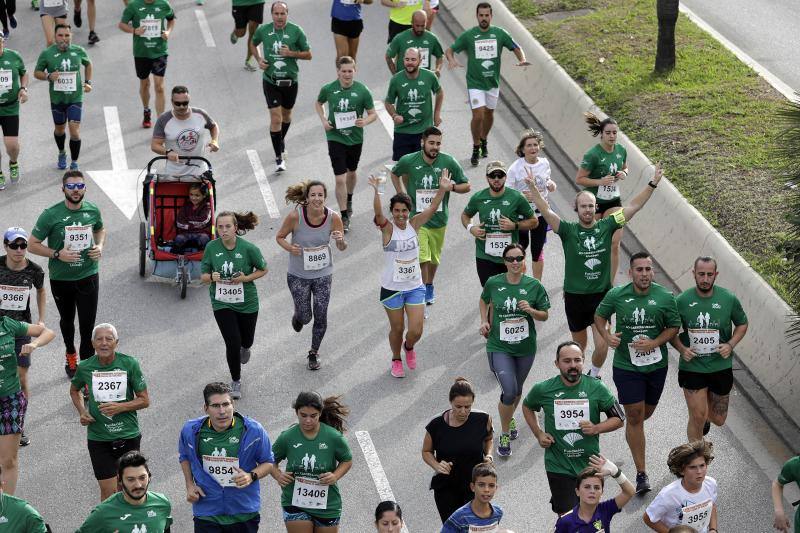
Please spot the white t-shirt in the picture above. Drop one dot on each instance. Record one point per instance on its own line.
(669, 506)
(186, 137)
(515, 178)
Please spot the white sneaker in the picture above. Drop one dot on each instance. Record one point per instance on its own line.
(236, 389)
(281, 165)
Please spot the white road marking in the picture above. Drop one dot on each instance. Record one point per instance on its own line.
(386, 120)
(375, 468)
(263, 184)
(204, 28)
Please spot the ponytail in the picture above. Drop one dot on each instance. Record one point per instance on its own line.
(596, 126)
(331, 410)
(244, 221)
(298, 193)
(461, 387)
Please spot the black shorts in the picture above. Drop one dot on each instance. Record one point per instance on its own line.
(602, 208)
(148, 65)
(23, 361)
(635, 387)
(284, 97)
(344, 157)
(580, 309)
(244, 14)
(719, 383)
(395, 28)
(105, 454)
(562, 492)
(10, 125)
(487, 269)
(405, 143)
(349, 28)
(536, 238)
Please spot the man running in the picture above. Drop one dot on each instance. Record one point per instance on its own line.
(713, 323)
(19, 513)
(151, 23)
(483, 45)
(247, 15)
(60, 64)
(75, 237)
(587, 258)
(78, 20)
(647, 318)
(572, 404)
(13, 91)
(284, 43)
(790, 472)
(400, 14)
(415, 37)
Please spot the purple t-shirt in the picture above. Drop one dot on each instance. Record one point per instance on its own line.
(345, 11)
(572, 523)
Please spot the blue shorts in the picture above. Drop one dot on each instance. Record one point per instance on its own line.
(405, 143)
(293, 514)
(64, 112)
(635, 387)
(399, 299)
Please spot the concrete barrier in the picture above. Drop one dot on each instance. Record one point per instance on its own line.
(669, 227)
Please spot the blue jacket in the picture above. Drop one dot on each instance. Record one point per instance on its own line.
(254, 449)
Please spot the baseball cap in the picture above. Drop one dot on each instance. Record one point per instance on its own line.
(494, 166)
(14, 233)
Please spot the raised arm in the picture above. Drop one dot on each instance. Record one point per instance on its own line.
(640, 199)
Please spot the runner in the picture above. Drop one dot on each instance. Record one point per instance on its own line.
(179, 133)
(410, 104)
(389, 517)
(480, 514)
(417, 174)
(247, 15)
(502, 213)
(55, 12)
(14, 89)
(7, 10)
(713, 323)
(647, 318)
(402, 290)
(78, 21)
(60, 64)
(19, 276)
(113, 385)
(483, 45)
(230, 266)
(136, 506)
(790, 472)
(602, 167)
(145, 19)
(587, 257)
(508, 305)
(17, 511)
(346, 26)
(572, 404)
(400, 13)
(310, 273)
(223, 455)
(690, 500)
(531, 166)
(590, 515)
(455, 441)
(347, 101)
(284, 43)
(317, 456)
(75, 238)
(415, 37)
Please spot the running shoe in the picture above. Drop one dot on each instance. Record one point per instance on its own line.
(484, 149)
(473, 160)
(411, 357)
(346, 221)
(6, 34)
(234, 38)
(280, 165)
(12, 21)
(13, 170)
(313, 360)
(35, 5)
(147, 118)
(513, 432)
(706, 428)
(76, 18)
(249, 66)
(24, 440)
(504, 445)
(71, 365)
(62, 160)
(397, 368)
(73, 165)
(244, 355)
(642, 483)
(93, 38)
(236, 389)
(430, 296)
(296, 325)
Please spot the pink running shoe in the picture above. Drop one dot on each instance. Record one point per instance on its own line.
(397, 368)
(411, 357)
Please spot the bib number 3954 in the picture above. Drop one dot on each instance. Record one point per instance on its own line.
(569, 413)
(309, 493)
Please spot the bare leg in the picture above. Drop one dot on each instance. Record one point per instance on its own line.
(428, 272)
(9, 448)
(341, 44)
(416, 319)
(251, 29)
(92, 13)
(697, 405)
(144, 92)
(341, 191)
(108, 487)
(351, 182)
(476, 125)
(718, 408)
(634, 433)
(353, 47)
(160, 95)
(538, 269)
(600, 351)
(396, 327)
(12, 147)
(488, 122)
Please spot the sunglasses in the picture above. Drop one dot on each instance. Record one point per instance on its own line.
(514, 258)
(180, 104)
(74, 186)
(496, 176)
(17, 245)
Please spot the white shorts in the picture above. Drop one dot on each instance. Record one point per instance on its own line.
(479, 98)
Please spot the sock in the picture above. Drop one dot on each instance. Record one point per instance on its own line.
(595, 371)
(284, 129)
(483, 142)
(74, 148)
(12, 163)
(349, 197)
(405, 345)
(277, 143)
(476, 147)
(60, 139)
(429, 286)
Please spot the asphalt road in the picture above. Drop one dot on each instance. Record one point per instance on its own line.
(180, 348)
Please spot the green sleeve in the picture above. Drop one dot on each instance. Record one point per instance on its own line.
(35, 522)
(589, 161)
(542, 302)
(169, 16)
(606, 307)
(279, 448)
(205, 264)
(611, 221)
(532, 400)
(93, 522)
(738, 315)
(369, 103)
(673, 318)
(41, 62)
(127, 14)
(508, 41)
(137, 378)
(78, 380)
(471, 208)
(607, 399)
(460, 43)
(322, 97)
(790, 471)
(486, 293)
(257, 37)
(523, 207)
(391, 50)
(22, 69)
(45, 222)
(343, 452)
(302, 41)
(565, 229)
(99, 224)
(401, 167)
(257, 258)
(436, 50)
(85, 58)
(19, 329)
(391, 92)
(624, 154)
(435, 85)
(457, 173)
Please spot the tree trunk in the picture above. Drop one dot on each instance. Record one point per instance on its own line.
(667, 12)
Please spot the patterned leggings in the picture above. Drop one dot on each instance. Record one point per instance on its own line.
(301, 290)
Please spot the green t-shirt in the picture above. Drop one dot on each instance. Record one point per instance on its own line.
(245, 257)
(513, 330)
(149, 45)
(345, 105)
(587, 254)
(563, 408)
(18, 516)
(53, 225)
(706, 323)
(293, 36)
(12, 67)
(9, 376)
(70, 88)
(600, 163)
(423, 182)
(413, 99)
(120, 379)
(427, 43)
(512, 205)
(309, 458)
(640, 315)
(791, 472)
(243, 3)
(483, 50)
(116, 514)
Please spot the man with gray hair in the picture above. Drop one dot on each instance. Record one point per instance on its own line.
(415, 37)
(114, 389)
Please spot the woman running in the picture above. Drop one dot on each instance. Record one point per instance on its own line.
(346, 25)
(312, 226)
(52, 13)
(388, 517)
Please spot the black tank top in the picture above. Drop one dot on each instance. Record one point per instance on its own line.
(463, 446)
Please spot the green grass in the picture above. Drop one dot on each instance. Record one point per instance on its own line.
(710, 121)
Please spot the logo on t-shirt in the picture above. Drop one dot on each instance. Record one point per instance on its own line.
(572, 438)
(188, 140)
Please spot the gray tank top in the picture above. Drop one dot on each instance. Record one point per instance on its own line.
(316, 261)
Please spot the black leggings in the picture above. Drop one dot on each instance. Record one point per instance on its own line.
(449, 499)
(238, 330)
(81, 296)
(7, 9)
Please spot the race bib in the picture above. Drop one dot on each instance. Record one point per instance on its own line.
(607, 192)
(644, 358)
(228, 292)
(66, 82)
(568, 413)
(697, 516)
(53, 3)
(152, 28)
(486, 49)
(13, 298)
(316, 258)
(490, 528)
(704, 341)
(309, 493)
(425, 199)
(406, 270)
(495, 243)
(111, 386)
(78, 237)
(424, 53)
(222, 469)
(6, 81)
(514, 329)
(345, 120)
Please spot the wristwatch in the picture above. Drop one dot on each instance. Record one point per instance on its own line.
(56, 254)
(253, 477)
